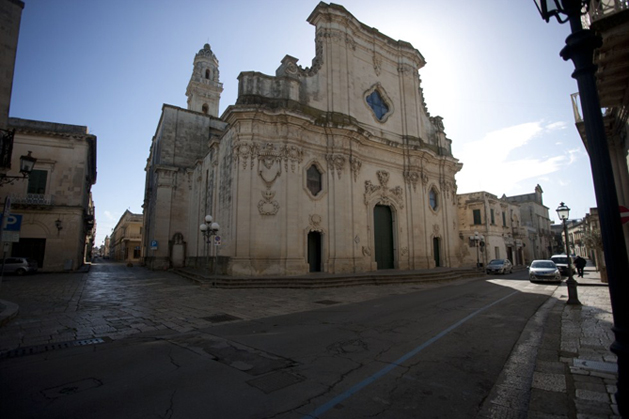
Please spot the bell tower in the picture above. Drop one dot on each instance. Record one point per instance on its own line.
(204, 90)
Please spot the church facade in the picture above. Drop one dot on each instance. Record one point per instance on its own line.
(334, 168)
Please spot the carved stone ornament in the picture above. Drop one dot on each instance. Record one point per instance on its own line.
(383, 177)
(315, 221)
(404, 251)
(384, 195)
(412, 178)
(355, 166)
(336, 163)
(435, 229)
(268, 206)
(366, 251)
(269, 157)
(377, 63)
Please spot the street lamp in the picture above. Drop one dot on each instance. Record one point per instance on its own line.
(573, 298)
(478, 239)
(26, 167)
(580, 46)
(209, 230)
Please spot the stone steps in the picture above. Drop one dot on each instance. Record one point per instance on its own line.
(317, 280)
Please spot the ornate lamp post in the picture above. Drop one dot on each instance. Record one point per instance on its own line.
(478, 239)
(573, 298)
(209, 230)
(580, 46)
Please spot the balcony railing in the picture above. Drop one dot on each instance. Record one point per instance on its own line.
(32, 199)
(600, 9)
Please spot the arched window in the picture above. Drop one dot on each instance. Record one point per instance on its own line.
(207, 73)
(205, 109)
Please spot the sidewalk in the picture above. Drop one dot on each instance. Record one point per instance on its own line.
(575, 372)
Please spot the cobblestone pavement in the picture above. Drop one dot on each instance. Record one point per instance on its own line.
(576, 373)
(114, 301)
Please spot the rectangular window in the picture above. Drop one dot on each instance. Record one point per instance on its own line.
(477, 219)
(493, 221)
(136, 252)
(504, 219)
(37, 182)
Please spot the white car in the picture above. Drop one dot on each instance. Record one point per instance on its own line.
(499, 266)
(19, 265)
(544, 271)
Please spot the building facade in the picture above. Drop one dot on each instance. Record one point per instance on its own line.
(125, 243)
(54, 203)
(536, 222)
(337, 167)
(610, 20)
(491, 228)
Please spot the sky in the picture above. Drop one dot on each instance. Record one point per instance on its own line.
(493, 72)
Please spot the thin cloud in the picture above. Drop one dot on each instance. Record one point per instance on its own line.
(488, 163)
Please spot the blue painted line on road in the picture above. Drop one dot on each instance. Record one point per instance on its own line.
(356, 388)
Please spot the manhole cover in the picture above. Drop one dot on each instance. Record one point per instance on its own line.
(275, 381)
(31, 350)
(220, 318)
(327, 302)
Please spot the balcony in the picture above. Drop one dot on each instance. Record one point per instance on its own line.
(610, 19)
(32, 200)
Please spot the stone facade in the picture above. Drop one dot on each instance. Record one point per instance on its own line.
(490, 228)
(125, 243)
(55, 202)
(536, 221)
(337, 167)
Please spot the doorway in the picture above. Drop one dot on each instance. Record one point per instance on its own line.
(435, 251)
(383, 236)
(314, 251)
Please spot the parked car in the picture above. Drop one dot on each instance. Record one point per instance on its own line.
(19, 265)
(499, 266)
(562, 262)
(544, 270)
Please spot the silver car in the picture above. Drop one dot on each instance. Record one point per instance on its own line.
(499, 266)
(544, 271)
(19, 265)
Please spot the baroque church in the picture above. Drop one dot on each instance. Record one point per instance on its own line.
(336, 168)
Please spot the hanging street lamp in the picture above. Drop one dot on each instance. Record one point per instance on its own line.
(580, 46)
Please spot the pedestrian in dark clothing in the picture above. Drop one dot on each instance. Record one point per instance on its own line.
(580, 263)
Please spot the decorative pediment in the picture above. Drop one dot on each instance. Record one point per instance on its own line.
(382, 193)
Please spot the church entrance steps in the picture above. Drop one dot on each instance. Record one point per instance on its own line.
(322, 280)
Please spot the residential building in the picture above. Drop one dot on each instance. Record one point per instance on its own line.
(55, 202)
(610, 20)
(51, 211)
(338, 167)
(536, 222)
(125, 243)
(490, 228)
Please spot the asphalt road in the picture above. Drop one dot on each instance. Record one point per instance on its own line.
(430, 353)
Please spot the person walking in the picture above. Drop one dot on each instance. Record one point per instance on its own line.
(580, 263)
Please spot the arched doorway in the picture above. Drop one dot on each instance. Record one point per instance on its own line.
(383, 236)
(314, 251)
